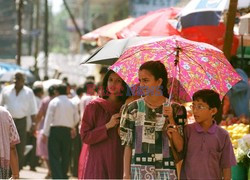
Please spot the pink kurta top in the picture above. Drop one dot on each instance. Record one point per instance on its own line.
(105, 156)
(8, 137)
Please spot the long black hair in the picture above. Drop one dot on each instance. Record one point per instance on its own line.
(158, 70)
(105, 93)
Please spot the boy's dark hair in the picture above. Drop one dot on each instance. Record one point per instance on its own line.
(62, 89)
(105, 93)
(37, 90)
(79, 91)
(212, 98)
(90, 78)
(88, 84)
(103, 70)
(158, 70)
(51, 90)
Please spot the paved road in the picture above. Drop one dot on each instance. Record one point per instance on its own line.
(40, 173)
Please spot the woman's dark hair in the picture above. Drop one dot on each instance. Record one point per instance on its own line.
(105, 93)
(212, 98)
(158, 70)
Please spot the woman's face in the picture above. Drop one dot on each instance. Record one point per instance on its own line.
(148, 82)
(114, 84)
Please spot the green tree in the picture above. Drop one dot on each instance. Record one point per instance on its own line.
(59, 35)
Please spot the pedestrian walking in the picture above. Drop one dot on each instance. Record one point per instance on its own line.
(59, 128)
(8, 138)
(76, 142)
(42, 147)
(31, 159)
(20, 101)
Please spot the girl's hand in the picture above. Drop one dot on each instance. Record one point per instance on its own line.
(168, 112)
(115, 119)
(171, 129)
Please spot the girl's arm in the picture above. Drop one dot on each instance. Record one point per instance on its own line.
(14, 162)
(227, 173)
(90, 133)
(172, 131)
(176, 138)
(127, 162)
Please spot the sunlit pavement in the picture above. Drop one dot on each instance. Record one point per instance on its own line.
(40, 173)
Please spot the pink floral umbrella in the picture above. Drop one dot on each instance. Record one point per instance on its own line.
(195, 65)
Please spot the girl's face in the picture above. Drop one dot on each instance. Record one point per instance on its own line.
(148, 82)
(202, 112)
(114, 84)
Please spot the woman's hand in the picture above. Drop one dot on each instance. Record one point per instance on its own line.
(115, 119)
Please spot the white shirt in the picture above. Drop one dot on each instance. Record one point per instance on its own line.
(61, 112)
(21, 105)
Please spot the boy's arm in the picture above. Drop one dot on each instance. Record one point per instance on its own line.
(226, 173)
(127, 162)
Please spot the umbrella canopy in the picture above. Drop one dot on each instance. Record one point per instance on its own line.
(244, 26)
(108, 31)
(213, 35)
(195, 65)
(110, 52)
(208, 5)
(206, 12)
(155, 23)
(7, 72)
(46, 84)
(9, 76)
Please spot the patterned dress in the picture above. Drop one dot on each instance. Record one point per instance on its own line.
(141, 128)
(8, 136)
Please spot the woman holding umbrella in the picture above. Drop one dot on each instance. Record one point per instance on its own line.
(104, 159)
(150, 129)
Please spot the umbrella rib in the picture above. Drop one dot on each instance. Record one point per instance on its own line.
(196, 63)
(191, 50)
(206, 53)
(203, 70)
(211, 55)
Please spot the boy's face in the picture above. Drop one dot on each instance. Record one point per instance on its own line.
(202, 112)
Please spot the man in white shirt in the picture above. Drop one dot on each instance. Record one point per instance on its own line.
(20, 101)
(76, 142)
(60, 121)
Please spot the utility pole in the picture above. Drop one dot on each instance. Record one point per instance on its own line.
(19, 31)
(73, 19)
(37, 37)
(229, 28)
(31, 27)
(46, 36)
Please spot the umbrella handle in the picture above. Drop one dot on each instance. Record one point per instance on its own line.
(176, 62)
(171, 91)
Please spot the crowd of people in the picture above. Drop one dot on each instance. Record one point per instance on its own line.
(105, 131)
